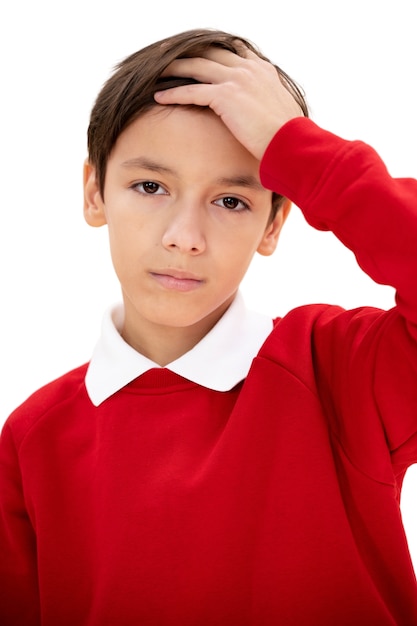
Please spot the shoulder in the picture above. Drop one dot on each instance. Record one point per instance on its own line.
(310, 334)
(297, 327)
(52, 397)
(304, 323)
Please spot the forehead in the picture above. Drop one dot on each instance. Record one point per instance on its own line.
(183, 134)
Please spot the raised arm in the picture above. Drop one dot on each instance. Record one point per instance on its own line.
(365, 361)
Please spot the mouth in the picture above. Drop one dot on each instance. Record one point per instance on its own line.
(177, 280)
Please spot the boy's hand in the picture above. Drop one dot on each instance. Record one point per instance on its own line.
(246, 93)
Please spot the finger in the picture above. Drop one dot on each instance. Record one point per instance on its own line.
(200, 94)
(224, 57)
(232, 59)
(201, 69)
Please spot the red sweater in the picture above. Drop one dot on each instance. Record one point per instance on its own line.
(276, 503)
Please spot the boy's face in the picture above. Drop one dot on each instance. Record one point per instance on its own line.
(185, 212)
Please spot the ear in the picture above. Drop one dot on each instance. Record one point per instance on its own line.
(94, 213)
(270, 237)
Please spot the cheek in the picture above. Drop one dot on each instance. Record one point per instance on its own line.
(242, 244)
(125, 228)
(234, 260)
(125, 247)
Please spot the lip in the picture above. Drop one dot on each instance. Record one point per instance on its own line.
(177, 280)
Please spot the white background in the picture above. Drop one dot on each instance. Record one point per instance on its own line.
(356, 62)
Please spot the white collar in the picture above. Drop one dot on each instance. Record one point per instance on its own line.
(219, 361)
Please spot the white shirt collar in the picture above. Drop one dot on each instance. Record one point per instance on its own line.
(219, 361)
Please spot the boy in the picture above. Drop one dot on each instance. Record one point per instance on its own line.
(211, 466)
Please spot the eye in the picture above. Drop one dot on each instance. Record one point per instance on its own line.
(149, 187)
(232, 204)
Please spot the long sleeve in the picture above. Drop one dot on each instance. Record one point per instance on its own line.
(365, 360)
(19, 597)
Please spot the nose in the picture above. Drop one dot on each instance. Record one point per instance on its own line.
(184, 232)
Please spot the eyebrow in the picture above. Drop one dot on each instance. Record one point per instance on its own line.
(147, 164)
(239, 180)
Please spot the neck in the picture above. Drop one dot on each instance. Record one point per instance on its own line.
(164, 344)
(163, 347)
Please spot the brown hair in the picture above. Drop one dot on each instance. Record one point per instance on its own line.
(129, 92)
